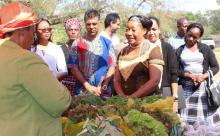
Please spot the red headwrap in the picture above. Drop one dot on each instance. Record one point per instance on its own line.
(72, 21)
(14, 16)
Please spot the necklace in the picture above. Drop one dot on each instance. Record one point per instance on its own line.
(134, 47)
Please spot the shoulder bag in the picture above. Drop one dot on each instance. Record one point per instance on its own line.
(213, 90)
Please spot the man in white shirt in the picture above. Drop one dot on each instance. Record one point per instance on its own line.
(178, 38)
(112, 24)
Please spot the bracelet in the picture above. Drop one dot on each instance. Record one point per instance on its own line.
(104, 87)
(175, 98)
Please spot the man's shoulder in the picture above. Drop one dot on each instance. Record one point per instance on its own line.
(105, 40)
(53, 46)
(19, 57)
(104, 34)
(22, 55)
(173, 36)
(26, 54)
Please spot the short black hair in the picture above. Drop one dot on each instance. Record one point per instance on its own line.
(155, 19)
(91, 13)
(111, 17)
(196, 25)
(181, 20)
(145, 22)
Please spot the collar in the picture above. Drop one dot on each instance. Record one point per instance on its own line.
(9, 43)
(177, 36)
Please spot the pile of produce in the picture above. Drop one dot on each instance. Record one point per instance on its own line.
(89, 115)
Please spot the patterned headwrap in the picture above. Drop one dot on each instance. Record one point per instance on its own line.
(72, 21)
(14, 16)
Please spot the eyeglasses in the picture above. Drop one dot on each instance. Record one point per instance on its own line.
(45, 30)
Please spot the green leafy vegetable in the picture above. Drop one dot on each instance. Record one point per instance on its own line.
(145, 125)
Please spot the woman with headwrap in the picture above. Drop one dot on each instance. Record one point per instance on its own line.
(31, 98)
(73, 27)
(140, 64)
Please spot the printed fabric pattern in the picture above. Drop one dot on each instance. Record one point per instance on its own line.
(93, 59)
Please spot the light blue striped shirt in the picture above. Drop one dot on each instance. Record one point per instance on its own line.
(176, 41)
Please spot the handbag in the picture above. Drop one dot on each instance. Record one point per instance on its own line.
(213, 90)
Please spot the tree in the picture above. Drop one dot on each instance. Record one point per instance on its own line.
(156, 5)
(43, 8)
(214, 21)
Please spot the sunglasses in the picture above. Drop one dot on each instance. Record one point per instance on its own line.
(45, 30)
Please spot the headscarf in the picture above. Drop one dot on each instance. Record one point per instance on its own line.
(14, 16)
(72, 21)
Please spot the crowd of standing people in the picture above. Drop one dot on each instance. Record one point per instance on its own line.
(35, 70)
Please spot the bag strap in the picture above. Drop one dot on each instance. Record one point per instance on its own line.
(210, 77)
(210, 71)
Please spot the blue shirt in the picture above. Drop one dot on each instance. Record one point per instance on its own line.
(176, 41)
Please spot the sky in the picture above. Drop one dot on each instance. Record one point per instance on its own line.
(183, 5)
(193, 5)
(179, 5)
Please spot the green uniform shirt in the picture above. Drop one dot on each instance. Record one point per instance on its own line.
(31, 98)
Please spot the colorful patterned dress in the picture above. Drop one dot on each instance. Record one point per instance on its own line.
(135, 71)
(93, 59)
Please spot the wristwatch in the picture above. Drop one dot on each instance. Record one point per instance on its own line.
(104, 87)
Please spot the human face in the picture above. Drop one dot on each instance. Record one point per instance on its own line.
(92, 26)
(134, 33)
(44, 30)
(28, 37)
(73, 32)
(182, 26)
(115, 26)
(154, 32)
(192, 36)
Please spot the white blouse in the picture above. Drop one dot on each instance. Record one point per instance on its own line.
(192, 61)
(53, 55)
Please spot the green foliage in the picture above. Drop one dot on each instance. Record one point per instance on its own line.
(81, 112)
(117, 100)
(214, 21)
(162, 111)
(70, 128)
(150, 99)
(169, 119)
(145, 125)
(151, 110)
(115, 105)
(100, 127)
(47, 8)
(59, 34)
(91, 99)
(83, 107)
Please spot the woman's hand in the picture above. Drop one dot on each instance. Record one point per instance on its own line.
(175, 106)
(192, 76)
(95, 90)
(200, 78)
